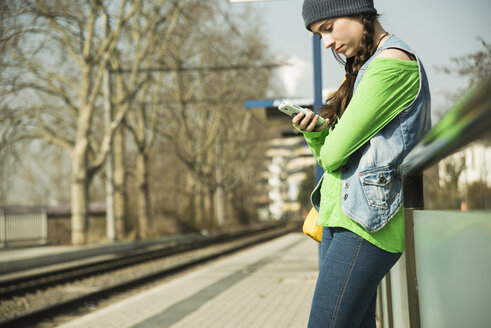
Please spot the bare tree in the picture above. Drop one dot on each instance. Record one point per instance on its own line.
(204, 118)
(150, 34)
(167, 76)
(474, 67)
(10, 125)
(55, 72)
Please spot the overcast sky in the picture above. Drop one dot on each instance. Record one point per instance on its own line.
(436, 29)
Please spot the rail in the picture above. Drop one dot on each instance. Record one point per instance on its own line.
(430, 236)
(467, 121)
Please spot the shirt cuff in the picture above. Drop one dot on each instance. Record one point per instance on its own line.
(314, 134)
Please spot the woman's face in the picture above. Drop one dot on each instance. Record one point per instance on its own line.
(343, 34)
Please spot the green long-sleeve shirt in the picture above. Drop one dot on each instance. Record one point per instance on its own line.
(387, 87)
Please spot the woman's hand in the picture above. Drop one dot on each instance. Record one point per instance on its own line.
(307, 122)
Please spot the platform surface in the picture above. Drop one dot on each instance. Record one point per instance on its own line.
(269, 285)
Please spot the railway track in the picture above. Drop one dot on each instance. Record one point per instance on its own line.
(59, 290)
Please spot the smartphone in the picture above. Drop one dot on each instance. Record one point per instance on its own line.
(292, 110)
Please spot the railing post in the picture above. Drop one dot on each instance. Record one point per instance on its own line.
(380, 306)
(413, 200)
(388, 294)
(3, 228)
(44, 227)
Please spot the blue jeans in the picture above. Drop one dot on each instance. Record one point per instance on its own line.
(350, 271)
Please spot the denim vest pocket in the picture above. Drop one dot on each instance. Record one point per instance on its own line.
(380, 186)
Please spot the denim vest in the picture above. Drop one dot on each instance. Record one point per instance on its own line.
(371, 181)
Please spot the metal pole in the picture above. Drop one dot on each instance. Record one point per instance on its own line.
(317, 88)
(44, 225)
(3, 228)
(220, 193)
(110, 224)
(316, 54)
(388, 294)
(380, 307)
(413, 199)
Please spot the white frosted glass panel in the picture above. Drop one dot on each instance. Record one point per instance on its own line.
(453, 264)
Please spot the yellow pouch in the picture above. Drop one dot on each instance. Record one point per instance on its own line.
(310, 227)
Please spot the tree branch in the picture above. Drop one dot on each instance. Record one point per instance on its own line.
(65, 37)
(49, 135)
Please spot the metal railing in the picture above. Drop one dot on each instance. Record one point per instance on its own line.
(22, 224)
(467, 121)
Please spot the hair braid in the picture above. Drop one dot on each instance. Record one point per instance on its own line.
(337, 102)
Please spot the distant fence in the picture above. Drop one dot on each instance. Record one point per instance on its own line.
(41, 224)
(22, 224)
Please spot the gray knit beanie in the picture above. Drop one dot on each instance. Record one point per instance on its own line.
(316, 10)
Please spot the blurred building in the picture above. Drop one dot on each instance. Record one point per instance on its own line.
(474, 179)
(287, 160)
(476, 159)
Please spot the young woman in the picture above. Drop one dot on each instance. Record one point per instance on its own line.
(374, 119)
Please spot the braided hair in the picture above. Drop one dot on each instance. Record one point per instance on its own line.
(338, 101)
